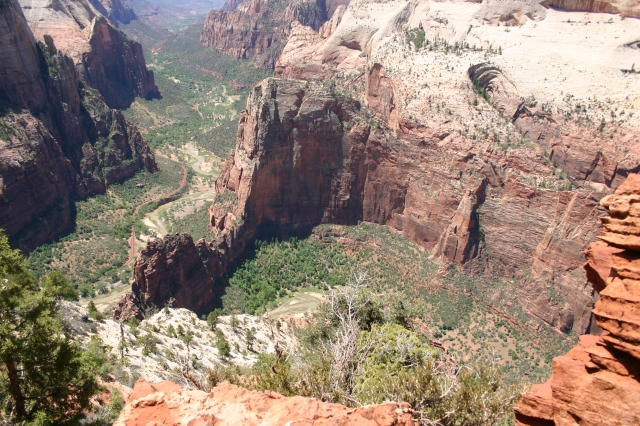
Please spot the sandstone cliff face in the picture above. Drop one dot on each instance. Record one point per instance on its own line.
(496, 166)
(57, 138)
(115, 66)
(187, 267)
(628, 8)
(115, 10)
(598, 381)
(104, 57)
(532, 229)
(167, 403)
(297, 133)
(306, 156)
(258, 29)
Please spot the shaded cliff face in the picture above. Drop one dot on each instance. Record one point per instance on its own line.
(58, 139)
(188, 268)
(258, 29)
(496, 165)
(116, 67)
(306, 155)
(115, 10)
(598, 381)
(105, 58)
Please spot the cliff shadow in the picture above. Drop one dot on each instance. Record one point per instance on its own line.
(231, 298)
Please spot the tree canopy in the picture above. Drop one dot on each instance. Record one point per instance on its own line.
(43, 377)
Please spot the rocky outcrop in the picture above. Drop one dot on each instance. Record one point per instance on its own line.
(187, 267)
(518, 12)
(58, 139)
(305, 155)
(627, 8)
(167, 403)
(104, 57)
(598, 381)
(116, 67)
(466, 161)
(115, 10)
(258, 29)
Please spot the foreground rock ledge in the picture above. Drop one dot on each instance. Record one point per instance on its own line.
(598, 381)
(168, 404)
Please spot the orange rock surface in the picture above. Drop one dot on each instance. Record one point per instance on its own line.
(598, 381)
(167, 404)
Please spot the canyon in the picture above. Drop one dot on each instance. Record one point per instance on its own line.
(443, 140)
(58, 138)
(501, 138)
(258, 29)
(104, 57)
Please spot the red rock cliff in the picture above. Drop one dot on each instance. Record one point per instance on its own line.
(105, 58)
(116, 67)
(57, 138)
(115, 10)
(598, 381)
(258, 29)
(166, 403)
(305, 155)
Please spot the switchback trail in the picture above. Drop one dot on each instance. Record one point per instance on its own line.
(132, 238)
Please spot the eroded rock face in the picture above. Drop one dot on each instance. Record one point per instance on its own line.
(532, 230)
(481, 155)
(258, 29)
(57, 138)
(116, 67)
(187, 270)
(306, 156)
(115, 10)
(628, 8)
(598, 381)
(104, 57)
(295, 132)
(167, 403)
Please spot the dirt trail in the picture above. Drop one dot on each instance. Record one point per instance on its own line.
(132, 239)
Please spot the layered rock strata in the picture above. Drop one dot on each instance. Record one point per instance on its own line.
(103, 55)
(627, 8)
(58, 139)
(409, 63)
(488, 158)
(258, 29)
(166, 403)
(305, 155)
(598, 381)
(115, 10)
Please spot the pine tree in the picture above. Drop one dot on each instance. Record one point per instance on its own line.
(250, 336)
(212, 318)
(43, 378)
(224, 350)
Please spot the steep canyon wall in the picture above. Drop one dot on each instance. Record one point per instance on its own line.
(103, 55)
(598, 381)
(259, 29)
(442, 142)
(58, 138)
